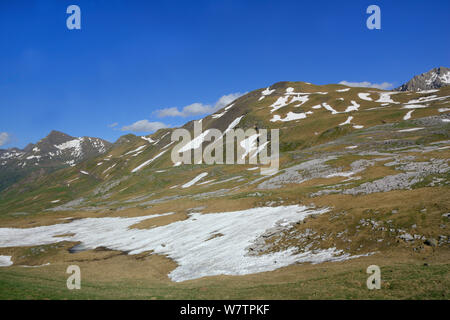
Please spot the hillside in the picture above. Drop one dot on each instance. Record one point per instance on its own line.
(363, 176)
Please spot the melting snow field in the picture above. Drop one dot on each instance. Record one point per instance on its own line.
(5, 261)
(202, 245)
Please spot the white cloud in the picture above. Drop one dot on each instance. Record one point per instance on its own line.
(112, 125)
(5, 138)
(366, 84)
(145, 126)
(198, 108)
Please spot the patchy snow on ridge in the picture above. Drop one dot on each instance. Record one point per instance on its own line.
(427, 99)
(302, 100)
(195, 180)
(343, 90)
(267, 91)
(194, 143)
(386, 97)
(414, 106)
(354, 107)
(249, 145)
(231, 126)
(364, 96)
(190, 243)
(410, 130)
(408, 115)
(72, 144)
(227, 108)
(280, 103)
(106, 170)
(148, 161)
(289, 117)
(349, 119)
(329, 108)
(135, 150)
(218, 115)
(150, 140)
(427, 91)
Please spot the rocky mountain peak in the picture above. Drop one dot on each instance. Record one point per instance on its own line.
(433, 79)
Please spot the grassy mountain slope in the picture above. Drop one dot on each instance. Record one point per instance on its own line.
(378, 160)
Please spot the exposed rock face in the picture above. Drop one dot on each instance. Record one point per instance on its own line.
(433, 79)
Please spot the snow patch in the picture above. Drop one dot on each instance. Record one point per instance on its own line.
(150, 140)
(414, 106)
(5, 261)
(349, 119)
(135, 150)
(188, 242)
(148, 161)
(329, 108)
(364, 96)
(386, 97)
(195, 180)
(354, 107)
(289, 117)
(408, 115)
(410, 130)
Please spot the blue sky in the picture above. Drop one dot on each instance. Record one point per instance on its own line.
(139, 60)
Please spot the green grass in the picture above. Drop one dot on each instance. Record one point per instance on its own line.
(399, 281)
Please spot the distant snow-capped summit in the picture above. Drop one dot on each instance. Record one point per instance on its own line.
(52, 152)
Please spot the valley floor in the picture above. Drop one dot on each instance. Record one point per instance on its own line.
(128, 277)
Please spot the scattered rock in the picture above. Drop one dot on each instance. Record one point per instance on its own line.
(430, 242)
(406, 237)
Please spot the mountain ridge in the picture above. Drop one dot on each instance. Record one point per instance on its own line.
(55, 151)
